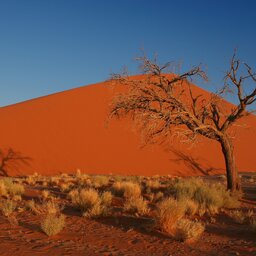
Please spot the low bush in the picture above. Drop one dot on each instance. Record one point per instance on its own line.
(32, 206)
(169, 212)
(51, 207)
(7, 187)
(158, 196)
(209, 197)
(99, 181)
(187, 230)
(7, 207)
(127, 189)
(45, 194)
(191, 207)
(53, 224)
(153, 184)
(136, 205)
(3, 190)
(90, 202)
(240, 216)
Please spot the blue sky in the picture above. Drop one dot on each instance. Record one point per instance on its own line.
(48, 46)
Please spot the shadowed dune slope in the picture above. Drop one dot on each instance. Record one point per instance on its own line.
(66, 131)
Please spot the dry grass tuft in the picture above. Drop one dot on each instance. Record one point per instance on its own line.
(153, 184)
(209, 197)
(241, 217)
(136, 205)
(53, 224)
(51, 208)
(127, 189)
(45, 194)
(9, 188)
(32, 206)
(187, 230)
(3, 190)
(191, 207)
(169, 212)
(99, 181)
(90, 202)
(7, 207)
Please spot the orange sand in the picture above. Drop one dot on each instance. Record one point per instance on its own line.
(66, 131)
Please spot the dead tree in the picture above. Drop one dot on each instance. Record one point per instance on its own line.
(164, 104)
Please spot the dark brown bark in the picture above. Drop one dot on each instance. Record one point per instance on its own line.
(233, 182)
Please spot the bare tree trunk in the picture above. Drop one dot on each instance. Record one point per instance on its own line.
(233, 182)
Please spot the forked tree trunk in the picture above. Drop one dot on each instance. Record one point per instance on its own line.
(233, 181)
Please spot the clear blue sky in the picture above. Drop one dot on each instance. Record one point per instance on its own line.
(48, 46)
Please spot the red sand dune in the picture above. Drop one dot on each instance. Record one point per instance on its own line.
(66, 131)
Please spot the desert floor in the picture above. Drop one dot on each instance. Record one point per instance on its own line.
(122, 234)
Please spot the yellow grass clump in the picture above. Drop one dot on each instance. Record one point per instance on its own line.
(169, 212)
(90, 202)
(187, 230)
(53, 224)
(136, 205)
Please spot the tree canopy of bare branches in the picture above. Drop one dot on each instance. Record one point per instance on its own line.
(164, 104)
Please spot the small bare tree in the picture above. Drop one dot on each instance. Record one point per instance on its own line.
(164, 104)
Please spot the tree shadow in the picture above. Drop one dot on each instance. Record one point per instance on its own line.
(233, 232)
(11, 160)
(30, 226)
(192, 162)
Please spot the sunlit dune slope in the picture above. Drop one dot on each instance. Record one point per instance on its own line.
(68, 130)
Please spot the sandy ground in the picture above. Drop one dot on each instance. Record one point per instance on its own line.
(122, 234)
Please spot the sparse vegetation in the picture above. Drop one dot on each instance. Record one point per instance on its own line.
(127, 189)
(7, 207)
(45, 194)
(8, 187)
(90, 202)
(176, 205)
(51, 208)
(99, 181)
(208, 197)
(136, 205)
(53, 224)
(240, 216)
(187, 230)
(169, 212)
